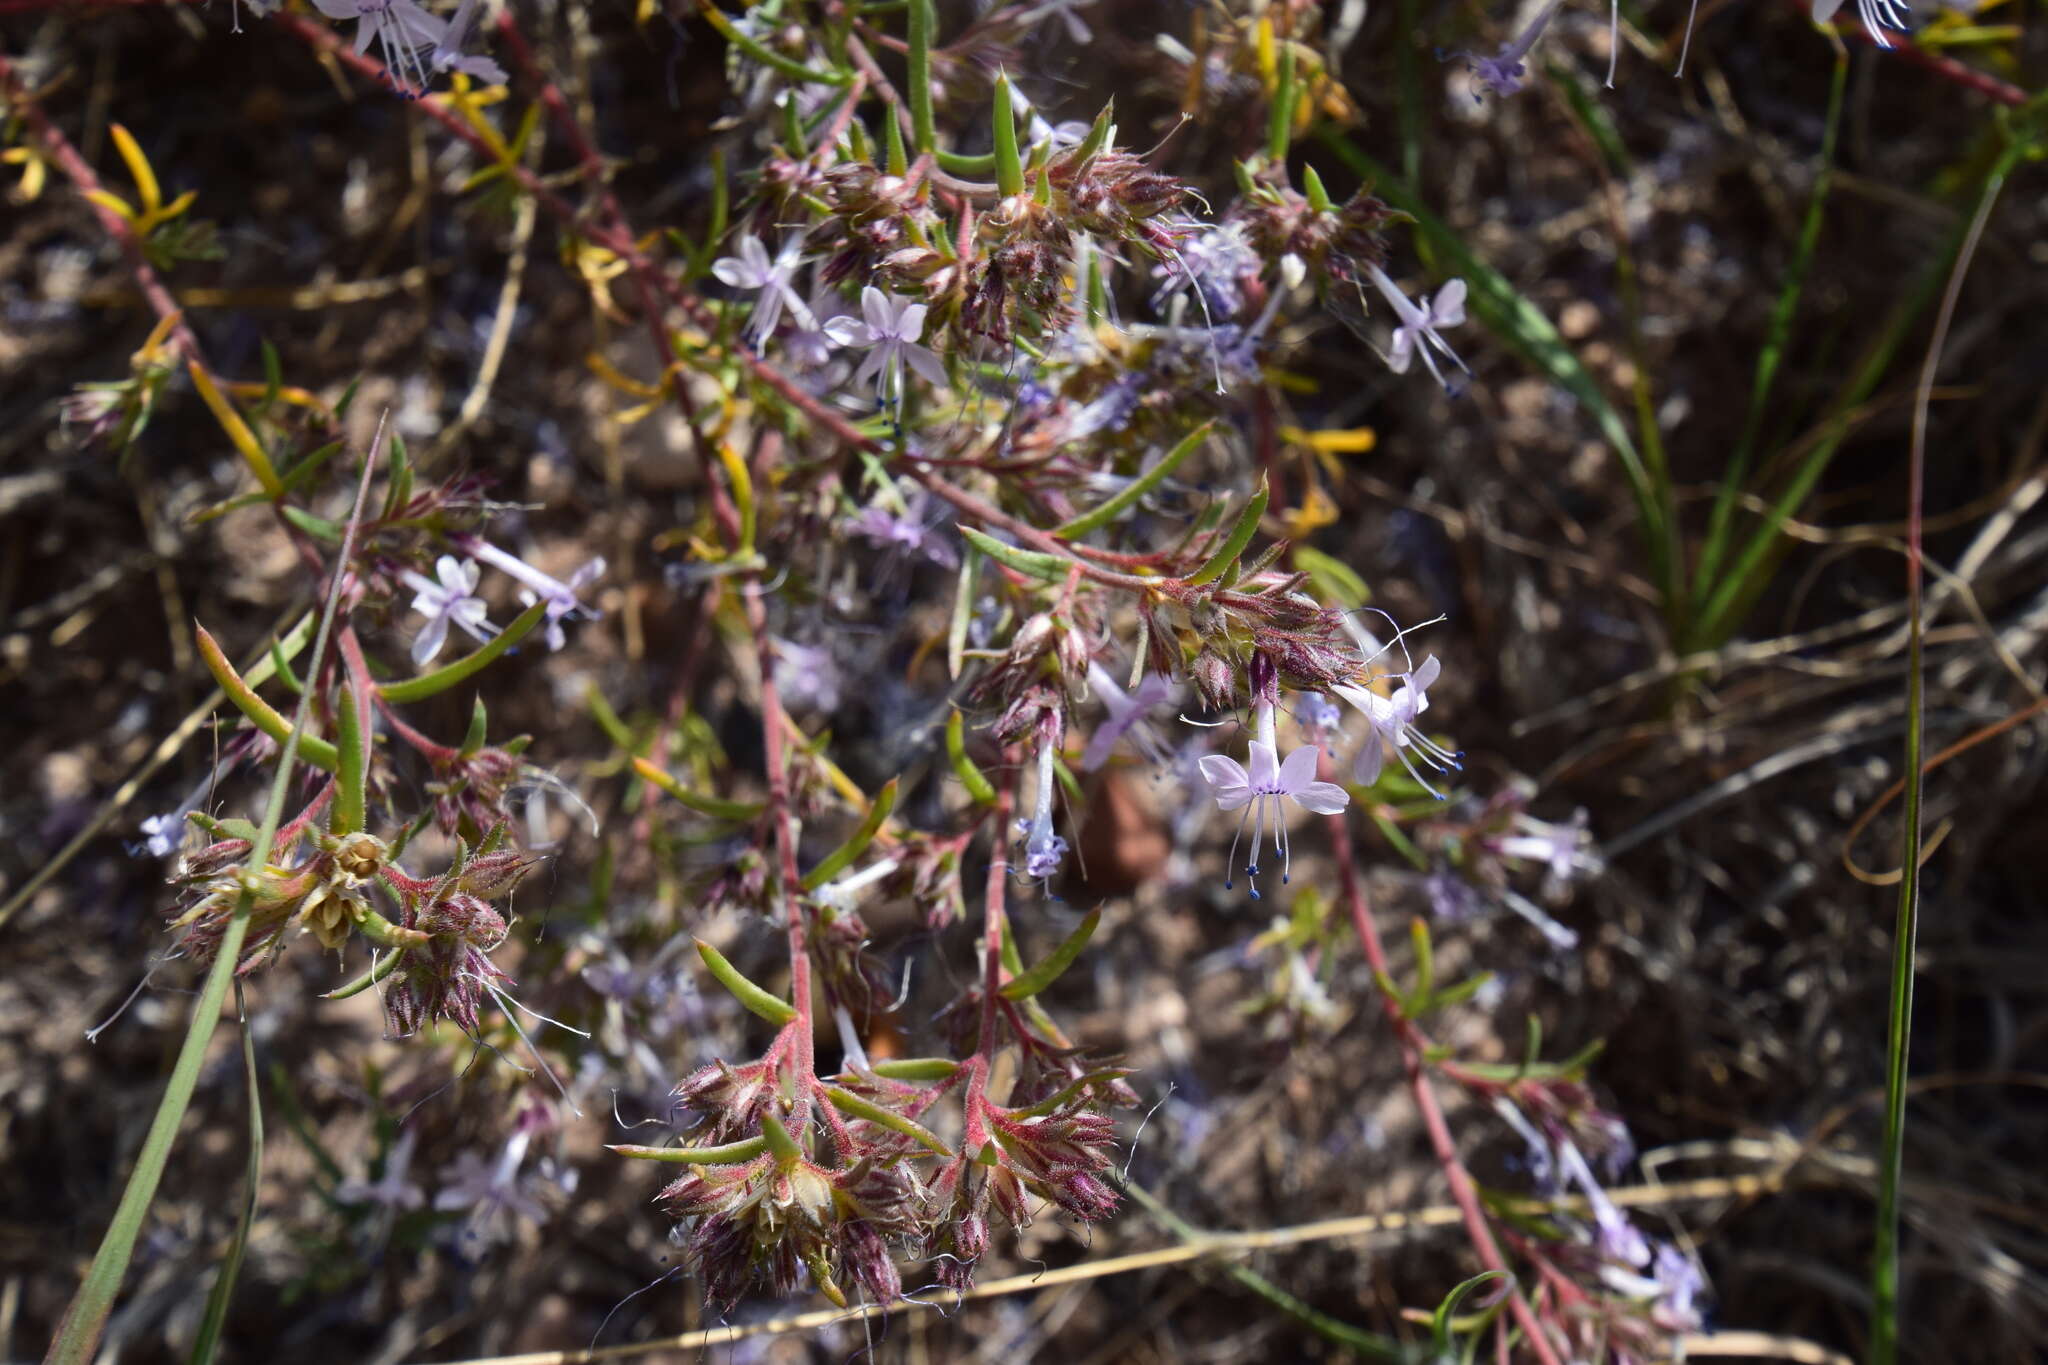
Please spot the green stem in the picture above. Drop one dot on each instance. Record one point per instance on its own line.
(920, 77)
(78, 1334)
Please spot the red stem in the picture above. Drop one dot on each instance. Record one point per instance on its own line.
(1463, 1192)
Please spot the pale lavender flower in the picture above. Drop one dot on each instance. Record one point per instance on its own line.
(390, 1190)
(1558, 934)
(1044, 851)
(1542, 1166)
(888, 330)
(1215, 262)
(450, 596)
(400, 28)
(1617, 1238)
(560, 597)
(1502, 73)
(904, 531)
(1393, 726)
(1679, 1285)
(1126, 716)
(807, 676)
(752, 269)
(1563, 850)
(493, 1191)
(1260, 789)
(1417, 331)
(1452, 899)
(808, 346)
(162, 835)
(448, 56)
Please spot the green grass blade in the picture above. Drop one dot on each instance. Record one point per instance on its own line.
(78, 1335)
(1715, 545)
(1884, 1267)
(206, 1346)
(1750, 574)
(1502, 309)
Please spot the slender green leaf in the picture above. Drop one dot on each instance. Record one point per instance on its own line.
(441, 679)
(317, 752)
(1003, 124)
(1045, 973)
(1036, 563)
(917, 1069)
(1114, 506)
(970, 776)
(731, 1154)
(206, 1345)
(78, 1334)
(771, 1007)
(840, 857)
(1240, 536)
(717, 807)
(846, 1102)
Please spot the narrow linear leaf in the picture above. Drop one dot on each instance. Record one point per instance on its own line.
(352, 766)
(1003, 127)
(780, 1143)
(963, 612)
(1036, 563)
(970, 776)
(1137, 488)
(764, 54)
(1240, 536)
(317, 752)
(206, 1345)
(382, 967)
(441, 679)
(773, 1008)
(917, 1069)
(1048, 971)
(731, 1154)
(835, 861)
(846, 1102)
(717, 807)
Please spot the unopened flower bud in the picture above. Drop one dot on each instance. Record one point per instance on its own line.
(1215, 680)
(495, 874)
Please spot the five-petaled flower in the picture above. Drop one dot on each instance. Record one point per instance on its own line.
(1259, 790)
(560, 597)
(753, 269)
(405, 32)
(889, 328)
(1417, 332)
(1393, 726)
(449, 596)
(1878, 16)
